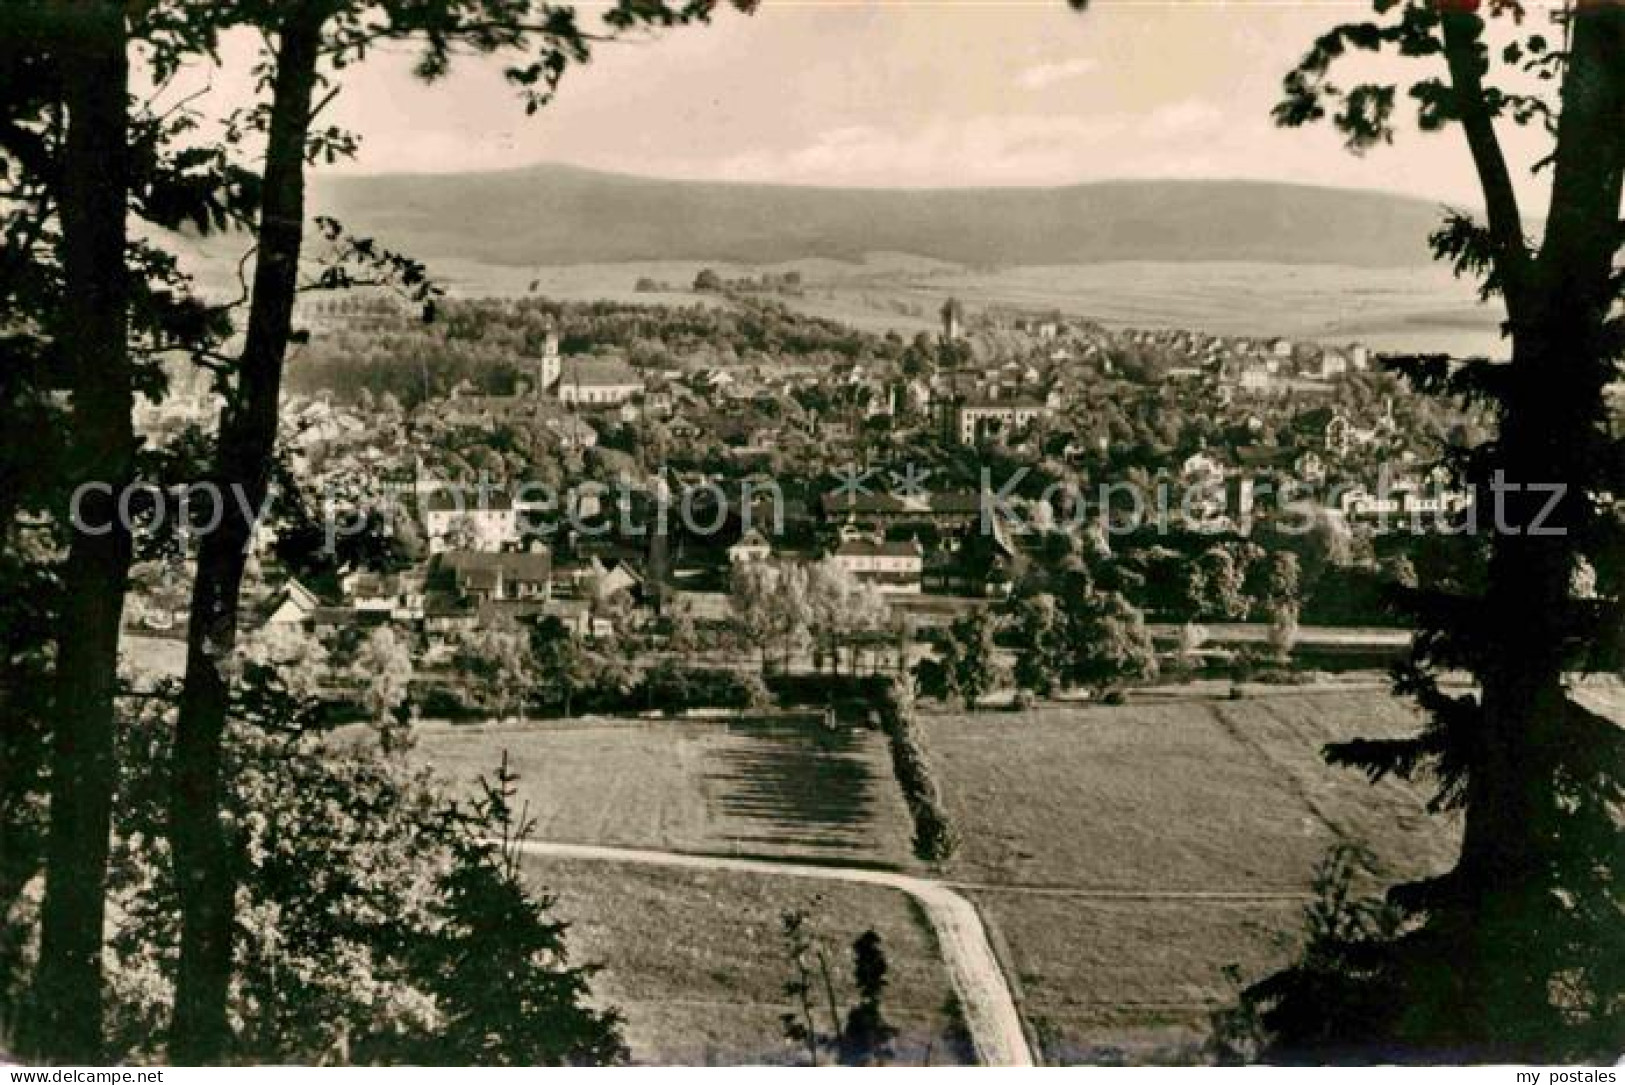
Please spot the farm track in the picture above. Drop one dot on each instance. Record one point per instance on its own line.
(1073, 892)
(990, 1011)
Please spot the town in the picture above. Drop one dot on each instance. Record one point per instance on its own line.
(620, 470)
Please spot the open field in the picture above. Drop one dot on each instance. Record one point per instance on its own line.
(1421, 309)
(1190, 795)
(773, 787)
(1206, 815)
(694, 960)
(1121, 857)
(1133, 981)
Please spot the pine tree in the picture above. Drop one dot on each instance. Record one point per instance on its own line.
(1518, 952)
(499, 970)
(866, 1039)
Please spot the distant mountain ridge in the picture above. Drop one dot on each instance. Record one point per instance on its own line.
(562, 215)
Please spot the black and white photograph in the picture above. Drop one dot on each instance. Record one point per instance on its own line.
(812, 533)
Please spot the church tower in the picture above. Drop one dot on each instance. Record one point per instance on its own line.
(548, 369)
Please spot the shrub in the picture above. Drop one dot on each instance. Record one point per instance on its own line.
(674, 688)
(934, 836)
(381, 919)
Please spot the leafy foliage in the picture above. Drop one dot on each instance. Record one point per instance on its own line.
(969, 666)
(375, 913)
(1109, 643)
(935, 838)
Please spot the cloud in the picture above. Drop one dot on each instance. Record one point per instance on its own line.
(1178, 118)
(1056, 71)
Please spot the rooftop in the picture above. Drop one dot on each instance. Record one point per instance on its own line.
(598, 373)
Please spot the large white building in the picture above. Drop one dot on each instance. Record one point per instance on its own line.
(590, 382)
(983, 419)
(469, 519)
(893, 567)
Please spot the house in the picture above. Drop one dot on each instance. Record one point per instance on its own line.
(574, 434)
(577, 616)
(399, 596)
(481, 519)
(915, 397)
(752, 546)
(987, 418)
(1200, 467)
(324, 620)
(659, 403)
(1328, 427)
(619, 578)
(683, 429)
(550, 365)
(950, 510)
(893, 567)
(715, 380)
(834, 432)
(978, 562)
(1333, 364)
(480, 577)
(594, 382)
(444, 612)
(295, 604)
(1256, 377)
(577, 579)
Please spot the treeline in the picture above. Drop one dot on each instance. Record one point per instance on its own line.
(492, 342)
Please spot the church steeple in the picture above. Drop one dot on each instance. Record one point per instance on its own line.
(548, 368)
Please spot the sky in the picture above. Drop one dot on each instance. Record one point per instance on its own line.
(909, 93)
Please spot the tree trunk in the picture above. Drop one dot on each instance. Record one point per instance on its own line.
(1558, 308)
(67, 1023)
(205, 872)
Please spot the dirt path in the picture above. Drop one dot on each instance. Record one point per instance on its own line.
(990, 1012)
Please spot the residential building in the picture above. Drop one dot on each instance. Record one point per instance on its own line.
(460, 519)
(293, 605)
(480, 577)
(983, 419)
(893, 567)
(752, 546)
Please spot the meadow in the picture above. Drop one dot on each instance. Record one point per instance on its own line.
(782, 788)
(1122, 857)
(695, 959)
(1175, 794)
(1422, 309)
